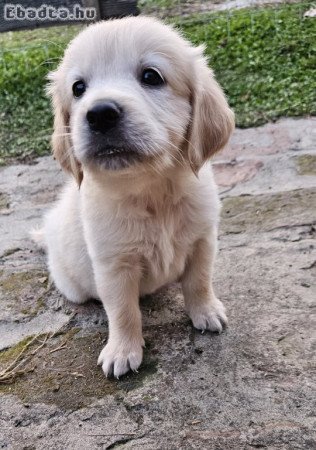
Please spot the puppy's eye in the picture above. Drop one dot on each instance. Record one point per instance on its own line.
(151, 77)
(78, 88)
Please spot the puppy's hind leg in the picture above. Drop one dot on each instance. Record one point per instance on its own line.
(204, 309)
(68, 287)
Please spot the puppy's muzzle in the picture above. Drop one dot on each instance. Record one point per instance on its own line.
(104, 116)
(109, 143)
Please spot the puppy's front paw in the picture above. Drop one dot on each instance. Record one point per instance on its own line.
(118, 359)
(209, 316)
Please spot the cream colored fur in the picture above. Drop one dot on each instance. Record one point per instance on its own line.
(126, 233)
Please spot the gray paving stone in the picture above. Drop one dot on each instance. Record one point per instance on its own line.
(253, 386)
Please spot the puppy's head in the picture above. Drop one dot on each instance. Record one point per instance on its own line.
(133, 94)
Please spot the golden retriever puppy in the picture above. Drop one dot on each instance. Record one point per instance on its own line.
(137, 115)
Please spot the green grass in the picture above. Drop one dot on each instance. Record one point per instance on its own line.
(264, 59)
(25, 117)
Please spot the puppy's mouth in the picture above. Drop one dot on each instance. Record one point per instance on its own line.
(113, 157)
(113, 152)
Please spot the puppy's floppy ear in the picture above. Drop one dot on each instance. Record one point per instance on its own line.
(212, 121)
(61, 142)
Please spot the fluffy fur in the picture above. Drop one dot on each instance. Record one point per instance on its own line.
(123, 228)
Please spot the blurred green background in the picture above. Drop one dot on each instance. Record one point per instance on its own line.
(264, 58)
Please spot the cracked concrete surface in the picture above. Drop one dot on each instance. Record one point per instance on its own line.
(254, 386)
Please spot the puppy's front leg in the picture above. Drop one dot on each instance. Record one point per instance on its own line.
(118, 288)
(204, 309)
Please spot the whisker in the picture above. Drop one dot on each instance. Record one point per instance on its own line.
(180, 161)
(68, 153)
(186, 140)
(155, 169)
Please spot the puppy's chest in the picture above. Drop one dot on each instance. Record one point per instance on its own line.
(165, 242)
(162, 238)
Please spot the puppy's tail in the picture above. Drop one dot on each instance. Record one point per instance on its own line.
(37, 236)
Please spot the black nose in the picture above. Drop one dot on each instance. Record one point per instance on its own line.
(104, 116)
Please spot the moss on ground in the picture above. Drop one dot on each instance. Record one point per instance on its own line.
(17, 281)
(4, 201)
(252, 214)
(23, 292)
(66, 374)
(306, 164)
(9, 355)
